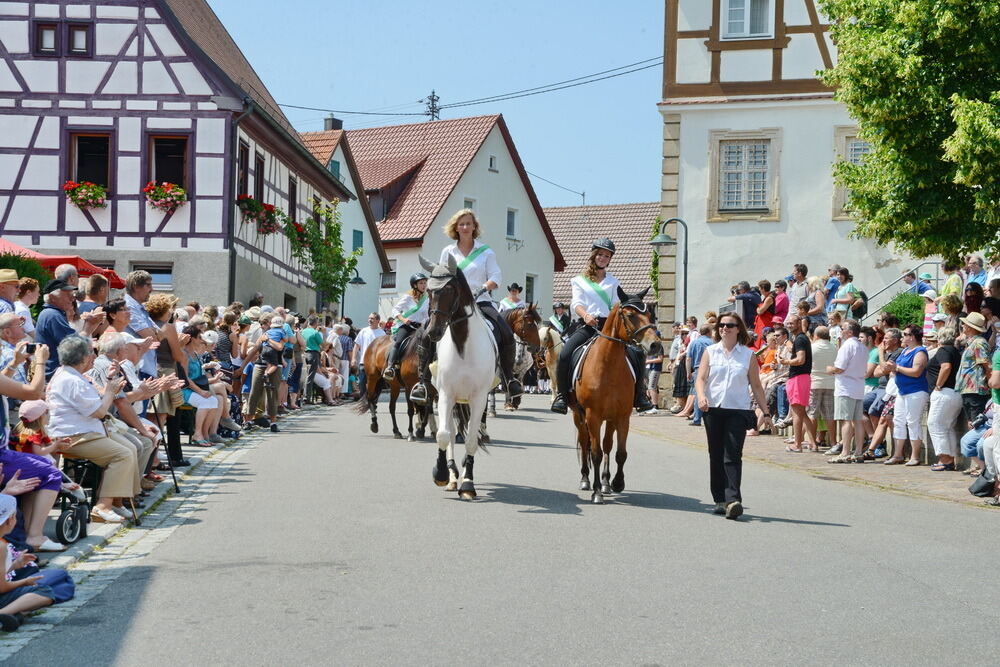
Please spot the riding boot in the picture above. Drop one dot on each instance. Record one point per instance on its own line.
(425, 353)
(511, 383)
(564, 368)
(389, 373)
(638, 361)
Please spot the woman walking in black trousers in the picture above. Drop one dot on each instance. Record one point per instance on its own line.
(726, 375)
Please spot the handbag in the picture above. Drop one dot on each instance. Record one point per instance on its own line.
(981, 487)
(201, 382)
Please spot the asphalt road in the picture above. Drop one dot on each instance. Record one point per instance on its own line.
(330, 545)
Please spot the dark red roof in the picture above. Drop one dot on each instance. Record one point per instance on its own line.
(630, 226)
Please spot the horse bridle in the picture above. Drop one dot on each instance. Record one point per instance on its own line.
(632, 335)
(523, 325)
(448, 317)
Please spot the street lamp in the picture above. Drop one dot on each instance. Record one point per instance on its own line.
(356, 282)
(662, 240)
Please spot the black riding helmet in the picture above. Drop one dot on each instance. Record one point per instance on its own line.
(416, 278)
(558, 304)
(604, 244)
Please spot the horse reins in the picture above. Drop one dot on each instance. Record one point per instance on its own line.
(632, 335)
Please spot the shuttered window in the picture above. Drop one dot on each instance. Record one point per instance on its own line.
(743, 175)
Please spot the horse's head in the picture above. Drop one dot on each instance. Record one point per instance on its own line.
(524, 322)
(449, 296)
(638, 323)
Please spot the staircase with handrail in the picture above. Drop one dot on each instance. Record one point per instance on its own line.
(878, 300)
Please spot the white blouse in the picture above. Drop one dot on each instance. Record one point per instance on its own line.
(479, 271)
(507, 304)
(407, 303)
(72, 398)
(583, 295)
(729, 377)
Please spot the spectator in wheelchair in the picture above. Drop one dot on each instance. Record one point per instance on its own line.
(78, 406)
(43, 478)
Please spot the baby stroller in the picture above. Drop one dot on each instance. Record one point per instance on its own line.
(75, 512)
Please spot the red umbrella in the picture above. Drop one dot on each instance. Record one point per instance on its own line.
(83, 267)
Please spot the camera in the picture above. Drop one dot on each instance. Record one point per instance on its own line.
(30, 348)
(979, 421)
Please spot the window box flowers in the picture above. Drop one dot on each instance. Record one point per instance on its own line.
(264, 216)
(86, 195)
(165, 197)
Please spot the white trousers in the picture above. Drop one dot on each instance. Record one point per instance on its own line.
(906, 416)
(946, 404)
(991, 455)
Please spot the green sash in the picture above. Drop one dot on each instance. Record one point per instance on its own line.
(472, 256)
(511, 305)
(598, 290)
(556, 322)
(417, 307)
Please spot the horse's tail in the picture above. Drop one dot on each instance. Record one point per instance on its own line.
(370, 398)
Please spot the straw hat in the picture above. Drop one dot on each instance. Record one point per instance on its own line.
(974, 320)
(8, 276)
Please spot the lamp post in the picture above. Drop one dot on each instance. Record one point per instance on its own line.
(357, 282)
(662, 240)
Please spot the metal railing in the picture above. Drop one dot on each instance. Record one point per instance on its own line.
(878, 300)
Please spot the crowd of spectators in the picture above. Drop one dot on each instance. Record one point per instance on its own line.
(865, 393)
(116, 380)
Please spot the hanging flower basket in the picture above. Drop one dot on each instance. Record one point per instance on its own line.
(165, 197)
(264, 216)
(86, 195)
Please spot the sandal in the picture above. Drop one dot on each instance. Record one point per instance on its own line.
(794, 450)
(839, 459)
(938, 467)
(153, 477)
(162, 467)
(912, 462)
(892, 461)
(868, 456)
(202, 443)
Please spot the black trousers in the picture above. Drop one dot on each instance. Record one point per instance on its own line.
(726, 430)
(505, 339)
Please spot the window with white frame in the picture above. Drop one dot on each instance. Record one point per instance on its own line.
(163, 275)
(493, 163)
(743, 175)
(469, 203)
(853, 149)
(747, 19)
(389, 277)
(511, 223)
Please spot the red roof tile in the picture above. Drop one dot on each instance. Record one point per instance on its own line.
(437, 153)
(630, 226)
(322, 144)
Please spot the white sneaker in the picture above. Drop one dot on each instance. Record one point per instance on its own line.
(105, 516)
(651, 411)
(122, 512)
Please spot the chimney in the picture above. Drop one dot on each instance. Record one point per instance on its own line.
(331, 122)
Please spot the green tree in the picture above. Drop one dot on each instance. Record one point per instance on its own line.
(27, 268)
(654, 265)
(922, 79)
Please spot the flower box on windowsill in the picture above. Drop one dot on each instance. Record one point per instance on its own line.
(86, 195)
(165, 197)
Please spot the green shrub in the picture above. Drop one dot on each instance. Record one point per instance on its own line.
(908, 307)
(27, 268)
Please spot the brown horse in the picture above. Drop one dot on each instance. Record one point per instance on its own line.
(524, 323)
(600, 396)
(376, 357)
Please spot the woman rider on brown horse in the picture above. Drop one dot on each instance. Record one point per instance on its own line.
(410, 313)
(479, 264)
(595, 293)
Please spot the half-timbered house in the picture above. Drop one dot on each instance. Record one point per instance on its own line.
(750, 137)
(121, 93)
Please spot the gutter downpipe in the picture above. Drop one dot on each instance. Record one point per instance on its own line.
(234, 183)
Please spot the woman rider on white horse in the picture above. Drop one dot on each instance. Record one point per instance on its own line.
(513, 299)
(410, 312)
(479, 264)
(595, 293)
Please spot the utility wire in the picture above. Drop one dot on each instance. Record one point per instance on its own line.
(555, 184)
(548, 90)
(557, 83)
(356, 113)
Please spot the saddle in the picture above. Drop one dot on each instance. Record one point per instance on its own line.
(580, 354)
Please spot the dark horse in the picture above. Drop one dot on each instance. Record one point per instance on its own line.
(376, 357)
(599, 396)
(524, 323)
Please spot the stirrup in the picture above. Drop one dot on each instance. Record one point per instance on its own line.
(389, 373)
(418, 394)
(559, 405)
(514, 389)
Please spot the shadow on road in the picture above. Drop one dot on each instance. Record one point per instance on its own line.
(534, 500)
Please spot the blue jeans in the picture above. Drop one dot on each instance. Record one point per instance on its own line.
(972, 442)
(782, 402)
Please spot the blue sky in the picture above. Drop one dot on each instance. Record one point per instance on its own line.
(603, 138)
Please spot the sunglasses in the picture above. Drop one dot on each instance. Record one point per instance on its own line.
(728, 325)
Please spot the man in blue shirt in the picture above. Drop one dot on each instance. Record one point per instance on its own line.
(975, 271)
(138, 287)
(831, 287)
(8, 290)
(695, 351)
(915, 286)
(52, 326)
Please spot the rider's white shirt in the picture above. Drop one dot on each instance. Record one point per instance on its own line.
(480, 270)
(507, 304)
(583, 295)
(405, 304)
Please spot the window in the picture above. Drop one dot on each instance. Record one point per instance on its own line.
(78, 39)
(47, 39)
(389, 278)
(743, 170)
(243, 170)
(511, 223)
(357, 240)
(163, 275)
(316, 203)
(493, 163)
(469, 204)
(529, 289)
(293, 198)
(258, 177)
(744, 175)
(744, 19)
(335, 168)
(91, 158)
(168, 160)
(849, 148)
